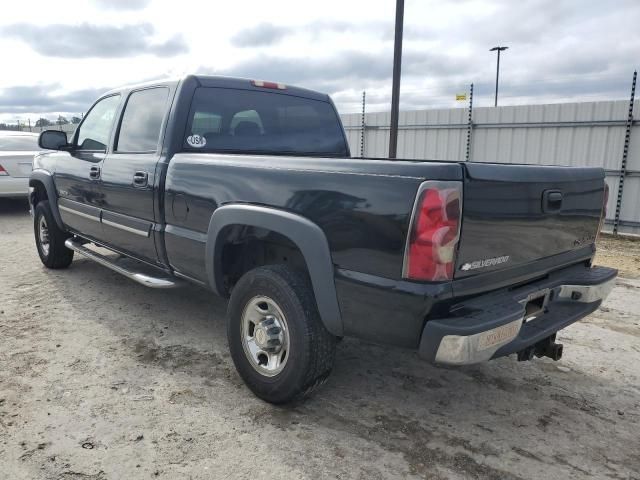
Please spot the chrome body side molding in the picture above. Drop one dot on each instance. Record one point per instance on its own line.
(135, 231)
(79, 213)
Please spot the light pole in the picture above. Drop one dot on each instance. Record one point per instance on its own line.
(497, 49)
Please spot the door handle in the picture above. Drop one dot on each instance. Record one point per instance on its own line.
(552, 201)
(140, 179)
(94, 173)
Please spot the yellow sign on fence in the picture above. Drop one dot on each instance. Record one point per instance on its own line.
(461, 97)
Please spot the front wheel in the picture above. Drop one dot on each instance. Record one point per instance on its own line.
(50, 238)
(277, 341)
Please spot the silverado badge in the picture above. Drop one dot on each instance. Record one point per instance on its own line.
(487, 262)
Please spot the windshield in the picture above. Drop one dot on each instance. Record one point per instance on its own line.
(19, 143)
(247, 121)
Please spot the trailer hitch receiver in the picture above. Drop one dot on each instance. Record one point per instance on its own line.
(544, 348)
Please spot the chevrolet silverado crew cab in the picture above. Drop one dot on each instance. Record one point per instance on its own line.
(247, 188)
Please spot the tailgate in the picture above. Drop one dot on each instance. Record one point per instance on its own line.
(518, 214)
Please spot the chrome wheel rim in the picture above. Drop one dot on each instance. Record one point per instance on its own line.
(43, 236)
(265, 336)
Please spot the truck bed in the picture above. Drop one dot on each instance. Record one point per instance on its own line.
(364, 208)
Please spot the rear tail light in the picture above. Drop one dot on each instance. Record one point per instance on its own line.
(3, 171)
(263, 84)
(603, 213)
(432, 241)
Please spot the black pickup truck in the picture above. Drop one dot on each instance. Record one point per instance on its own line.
(247, 188)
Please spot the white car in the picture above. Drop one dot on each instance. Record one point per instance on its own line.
(16, 159)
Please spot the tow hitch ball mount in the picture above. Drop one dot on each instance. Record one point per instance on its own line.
(544, 348)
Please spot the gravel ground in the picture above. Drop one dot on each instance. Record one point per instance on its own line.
(103, 379)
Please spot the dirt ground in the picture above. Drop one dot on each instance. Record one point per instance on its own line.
(622, 253)
(101, 378)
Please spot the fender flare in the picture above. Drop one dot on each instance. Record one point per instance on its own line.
(305, 234)
(44, 177)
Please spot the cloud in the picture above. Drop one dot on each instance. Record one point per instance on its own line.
(311, 71)
(344, 69)
(261, 35)
(122, 4)
(40, 99)
(87, 40)
(559, 51)
(267, 34)
(431, 78)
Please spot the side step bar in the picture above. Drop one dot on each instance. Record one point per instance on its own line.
(142, 278)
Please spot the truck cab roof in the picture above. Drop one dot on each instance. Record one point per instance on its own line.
(219, 81)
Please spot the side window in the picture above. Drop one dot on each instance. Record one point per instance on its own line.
(93, 134)
(142, 120)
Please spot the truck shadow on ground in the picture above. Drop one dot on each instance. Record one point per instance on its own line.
(388, 396)
(13, 207)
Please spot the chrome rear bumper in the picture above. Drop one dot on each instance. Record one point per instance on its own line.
(587, 293)
(500, 323)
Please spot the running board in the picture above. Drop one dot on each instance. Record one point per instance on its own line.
(141, 278)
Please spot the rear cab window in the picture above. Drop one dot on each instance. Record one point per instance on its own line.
(231, 120)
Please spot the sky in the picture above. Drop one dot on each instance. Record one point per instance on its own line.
(58, 57)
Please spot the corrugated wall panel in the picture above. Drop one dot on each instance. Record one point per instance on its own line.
(634, 148)
(630, 210)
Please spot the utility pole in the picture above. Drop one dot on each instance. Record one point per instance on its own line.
(395, 89)
(497, 49)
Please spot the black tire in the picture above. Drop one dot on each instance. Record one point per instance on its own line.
(311, 347)
(57, 255)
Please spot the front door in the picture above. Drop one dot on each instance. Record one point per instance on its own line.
(129, 184)
(78, 171)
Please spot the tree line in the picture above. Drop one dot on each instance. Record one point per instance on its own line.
(41, 122)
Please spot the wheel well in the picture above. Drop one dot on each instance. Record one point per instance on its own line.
(245, 248)
(39, 192)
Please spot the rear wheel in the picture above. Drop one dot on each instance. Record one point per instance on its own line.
(277, 341)
(50, 238)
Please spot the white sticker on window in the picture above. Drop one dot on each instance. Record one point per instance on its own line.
(196, 141)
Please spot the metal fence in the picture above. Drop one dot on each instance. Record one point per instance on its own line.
(577, 134)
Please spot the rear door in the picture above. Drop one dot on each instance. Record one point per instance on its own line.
(78, 171)
(129, 177)
(514, 215)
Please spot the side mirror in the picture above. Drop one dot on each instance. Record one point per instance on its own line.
(53, 140)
